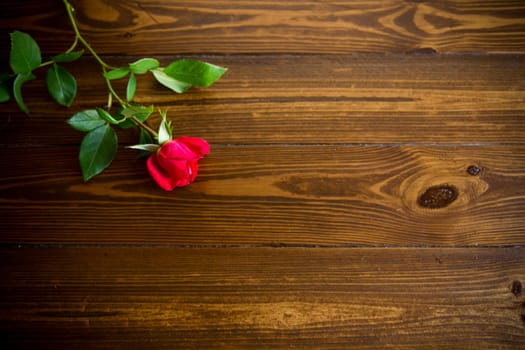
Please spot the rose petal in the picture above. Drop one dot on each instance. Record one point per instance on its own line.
(175, 163)
(157, 173)
(193, 168)
(177, 168)
(198, 146)
(175, 150)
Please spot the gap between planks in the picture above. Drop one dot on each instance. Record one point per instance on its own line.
(248, 246)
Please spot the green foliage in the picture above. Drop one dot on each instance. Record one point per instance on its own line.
(131, 88)
(24, 56)
(97, 151)
(144, 65)
(148, 147)
(117, 73)
(181, 75)
(67, 56)
(169, 82)
(146, 144)
(194, 72)
(20, 80)
(145, 137)
(129, 112)
(86, 120)
(103, 114)
(164, 134)
(61, 85)
(99, 145)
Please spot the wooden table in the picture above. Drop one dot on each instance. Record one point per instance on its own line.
(365, 188)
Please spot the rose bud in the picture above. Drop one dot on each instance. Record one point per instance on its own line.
(174, 164)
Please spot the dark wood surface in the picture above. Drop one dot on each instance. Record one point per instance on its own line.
(265, 298)
(273, 26)
(314, 221)
(343, 99)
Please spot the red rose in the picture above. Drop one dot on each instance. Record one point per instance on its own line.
(174, 164)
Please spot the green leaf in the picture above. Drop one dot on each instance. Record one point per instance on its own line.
(97, 150)
(68, 56)
(117, 73)
(61, 85)
(194, 72)
(108, 117)
(140, 112)
(144, 65)
(24, 56)
(145, 137)
(169, 82)
(131, 88)
(17, 89)
(86, 120)
(148, 147)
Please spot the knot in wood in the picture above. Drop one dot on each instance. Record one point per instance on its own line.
(440, 196)
(516, 288)
(473, 170)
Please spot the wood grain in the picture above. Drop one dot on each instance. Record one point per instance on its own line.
(414, 99)
(313, 195)
(269, 298)
(272, 26)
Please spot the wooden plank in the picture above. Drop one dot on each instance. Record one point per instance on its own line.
(415, 99)
(272, 26)
(314, 195)
(271, 298)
